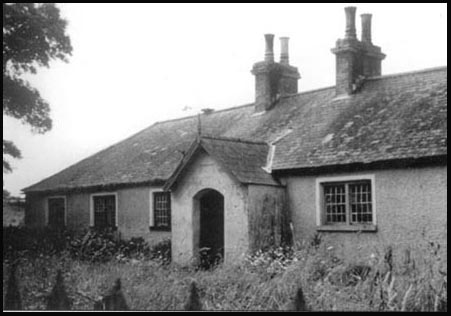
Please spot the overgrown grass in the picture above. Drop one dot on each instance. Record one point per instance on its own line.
(389, 279)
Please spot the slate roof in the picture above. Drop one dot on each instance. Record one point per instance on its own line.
(243, 159)
(392, 117)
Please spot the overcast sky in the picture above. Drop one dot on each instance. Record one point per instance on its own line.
(135, 64)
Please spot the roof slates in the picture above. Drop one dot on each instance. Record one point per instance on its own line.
(392, 117)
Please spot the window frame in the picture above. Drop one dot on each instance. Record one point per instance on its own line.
(347, 226)
(91, 208)
(47, 209)
(154, 223)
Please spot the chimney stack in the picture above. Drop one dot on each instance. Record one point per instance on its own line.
(269, 51)
(372, 55)
(284, 58)
(356, 60)
(366, 28)
(274, 80)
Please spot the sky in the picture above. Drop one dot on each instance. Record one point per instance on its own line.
(136, 64)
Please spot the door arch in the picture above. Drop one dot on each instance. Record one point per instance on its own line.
(209, 239)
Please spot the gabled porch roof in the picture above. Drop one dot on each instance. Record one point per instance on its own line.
(244, 160)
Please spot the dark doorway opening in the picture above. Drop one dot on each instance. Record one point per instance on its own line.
(211, 238)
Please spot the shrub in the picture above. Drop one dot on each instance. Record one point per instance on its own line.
(162, 251)
(95, 246)
(34, 241)
(105, 245)
(92, 245)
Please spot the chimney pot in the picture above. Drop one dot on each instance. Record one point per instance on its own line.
(366, 27)
(269, 51)
(284, 55)
(350, 22)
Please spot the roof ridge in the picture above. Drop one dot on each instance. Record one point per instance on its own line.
(431, 69)
(203, 114)
(406, 73)
(307, 92)
(234, 139)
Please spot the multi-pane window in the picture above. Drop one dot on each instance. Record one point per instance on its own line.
(162, 209)
(104, 207)
(348, 202)
(56, 212)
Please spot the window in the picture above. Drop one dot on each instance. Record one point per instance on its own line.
(104, 210)
(346, 202)
(162, 210)
(57, 212)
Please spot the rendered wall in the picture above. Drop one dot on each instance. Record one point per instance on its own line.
(411, 205)
(133, 212)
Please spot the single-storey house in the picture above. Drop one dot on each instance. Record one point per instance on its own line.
(364, 162)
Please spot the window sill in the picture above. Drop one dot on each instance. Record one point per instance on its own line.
(347, 228)
(160, 229)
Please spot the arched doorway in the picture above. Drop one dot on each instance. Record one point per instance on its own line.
(210, 209)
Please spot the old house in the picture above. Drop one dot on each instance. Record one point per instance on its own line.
(364, 162)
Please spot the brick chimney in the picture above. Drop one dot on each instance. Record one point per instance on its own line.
(274, 80)
(356, 60)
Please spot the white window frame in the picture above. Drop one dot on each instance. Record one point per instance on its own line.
(91, 207)
(319, 197)
(47, 208)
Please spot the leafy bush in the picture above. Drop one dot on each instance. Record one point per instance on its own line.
(95, 246)
(42, 241)
(161, 252)
(91, 245)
